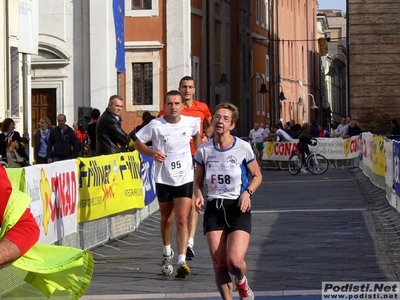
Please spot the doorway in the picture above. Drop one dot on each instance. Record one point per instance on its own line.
(44, 104)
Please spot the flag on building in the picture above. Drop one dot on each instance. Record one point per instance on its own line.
(119, 14)
(28, 35)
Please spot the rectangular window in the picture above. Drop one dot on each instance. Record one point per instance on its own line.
(142, 87)
(141, 4)
(141, 8)
(257, 11)
(267, 14)
(262, 13)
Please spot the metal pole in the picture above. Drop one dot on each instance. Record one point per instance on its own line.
(7, 71)
(25, 95)
(118, 83)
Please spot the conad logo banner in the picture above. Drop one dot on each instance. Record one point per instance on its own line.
(109, 185)
(331, 148)
(54, 191)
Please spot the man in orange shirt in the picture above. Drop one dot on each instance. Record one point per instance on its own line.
(200, 111)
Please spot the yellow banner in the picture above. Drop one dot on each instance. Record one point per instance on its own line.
(378, 156)
(108, 185)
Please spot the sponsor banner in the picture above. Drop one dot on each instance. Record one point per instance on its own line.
(396, 167)
(388, 146)
(378, 156)
(331, 148)
(54, 191)
(360, 290)
(28, 33)
(147, 175)
(109, 185)
(367, 147)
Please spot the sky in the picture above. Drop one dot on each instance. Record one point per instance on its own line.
(335, 4)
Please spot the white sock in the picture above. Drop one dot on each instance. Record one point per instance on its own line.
(181, 258)
(167, 250)
(191, 242)
(241, 281)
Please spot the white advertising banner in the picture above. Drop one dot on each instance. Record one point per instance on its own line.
(54, 190)
(331, 148)
(28, 34)
(367, 147)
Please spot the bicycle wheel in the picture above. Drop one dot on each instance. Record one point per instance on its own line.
(294, 164)
(317, 164)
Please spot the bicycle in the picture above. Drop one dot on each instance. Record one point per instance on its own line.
(316, 163)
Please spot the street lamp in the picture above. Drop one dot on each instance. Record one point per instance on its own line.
(299, 103)
(313, 105)
(260, 103)
(263, 89)
(224, 79)
(281, 94)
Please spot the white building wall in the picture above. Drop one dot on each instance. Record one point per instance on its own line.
(103, 76)
(56, 35)
(3, 57)
(178, 15)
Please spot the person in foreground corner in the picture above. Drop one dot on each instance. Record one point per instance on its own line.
(224, 162)
(49, 268)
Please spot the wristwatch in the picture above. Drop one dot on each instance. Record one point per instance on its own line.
(250, 191)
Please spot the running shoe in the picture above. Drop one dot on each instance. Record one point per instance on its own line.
(245, 292)
(183, 270)
(166, 264)
(189, 253)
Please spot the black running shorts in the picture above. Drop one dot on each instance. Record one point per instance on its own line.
(224, 214)
(167, 193)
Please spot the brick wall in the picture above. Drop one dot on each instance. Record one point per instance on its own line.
(374, 63)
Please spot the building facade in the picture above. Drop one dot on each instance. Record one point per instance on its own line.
(374, 63)
(233, 49)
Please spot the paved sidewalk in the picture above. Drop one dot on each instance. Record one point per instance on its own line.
(306, 229)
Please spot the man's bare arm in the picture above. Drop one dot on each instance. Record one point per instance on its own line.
(8, 252)
(209, 131)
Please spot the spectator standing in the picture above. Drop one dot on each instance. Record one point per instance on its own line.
(341, 129)
(323, 132)
(62, 143)
(110, 137)
(289, 131)
(225, 162)
(314, 129)
(91, 130)
(353, 129)
(171, 135)
(40, 138)
(137, 128)
(200, 111)
(267, 129)
(279, 134)
(81, 136)
(395, 129)
(257, 136)
(11, 148)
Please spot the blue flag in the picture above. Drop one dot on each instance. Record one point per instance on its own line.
(119, 14)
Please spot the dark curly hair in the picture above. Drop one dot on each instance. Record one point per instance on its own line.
(6, 124)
